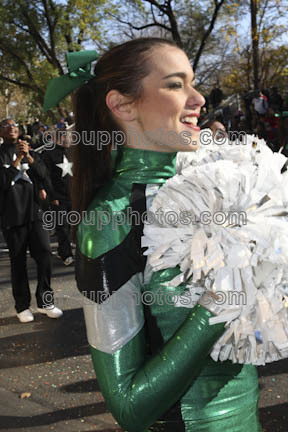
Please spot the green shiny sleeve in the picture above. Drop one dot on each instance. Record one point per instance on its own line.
(138, 389)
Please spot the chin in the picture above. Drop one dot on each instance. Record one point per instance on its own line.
(193, 146)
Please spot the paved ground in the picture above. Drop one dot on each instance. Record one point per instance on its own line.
(47, 382)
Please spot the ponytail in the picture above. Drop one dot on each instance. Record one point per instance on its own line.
(122, 68)
(91, 163)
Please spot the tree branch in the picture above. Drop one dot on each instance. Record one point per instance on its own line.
(52, 5)
(80, 37)
(262, 14)
(218, 5)
(36, 35)
(9, 51)
(141, 27)
(155, 3)
(174, 26)
(35, 38)
(18, 83)
(50, 26)
(68, 40)
(167, 10)
(152, 13)
(150, 25)
(45, 49)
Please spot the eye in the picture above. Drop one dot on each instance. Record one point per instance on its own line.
(175, 85)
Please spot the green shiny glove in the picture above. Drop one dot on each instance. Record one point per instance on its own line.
(139, 392)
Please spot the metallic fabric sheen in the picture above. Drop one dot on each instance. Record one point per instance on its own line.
(137, 389)
(135, 166)
(172, 385)
(112, 324)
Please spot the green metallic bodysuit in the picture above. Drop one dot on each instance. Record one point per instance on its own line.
(151, 358)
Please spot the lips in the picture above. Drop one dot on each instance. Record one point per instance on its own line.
(190, 121)
(191, 126)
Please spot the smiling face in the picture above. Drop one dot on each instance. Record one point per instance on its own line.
(9, 131)
(169, 106)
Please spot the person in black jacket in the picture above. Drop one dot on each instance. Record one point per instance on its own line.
(58, 186)
(21, 221)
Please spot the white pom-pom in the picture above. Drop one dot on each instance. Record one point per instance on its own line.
(235, 243)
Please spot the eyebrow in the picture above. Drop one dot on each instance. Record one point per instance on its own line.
(182, 75)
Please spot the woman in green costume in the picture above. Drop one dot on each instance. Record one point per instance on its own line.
(151, 358)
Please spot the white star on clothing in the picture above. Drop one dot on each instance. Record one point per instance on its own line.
(66, 167)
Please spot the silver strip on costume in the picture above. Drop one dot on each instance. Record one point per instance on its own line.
(150, 193)
(113, 323)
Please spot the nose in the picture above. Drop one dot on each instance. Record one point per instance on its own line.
(195, 99)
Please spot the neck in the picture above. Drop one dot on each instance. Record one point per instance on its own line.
(145, 166)
(149, 141)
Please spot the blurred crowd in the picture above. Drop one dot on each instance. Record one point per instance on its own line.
(34, 179)
(26, 181)
(33, 131)
(54, 191)
(263, 113)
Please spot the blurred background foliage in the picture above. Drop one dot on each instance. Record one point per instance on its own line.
(215, 34)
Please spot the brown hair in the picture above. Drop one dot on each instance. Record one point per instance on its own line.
(122, 68)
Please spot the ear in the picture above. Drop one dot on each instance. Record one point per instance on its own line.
(121, 106)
